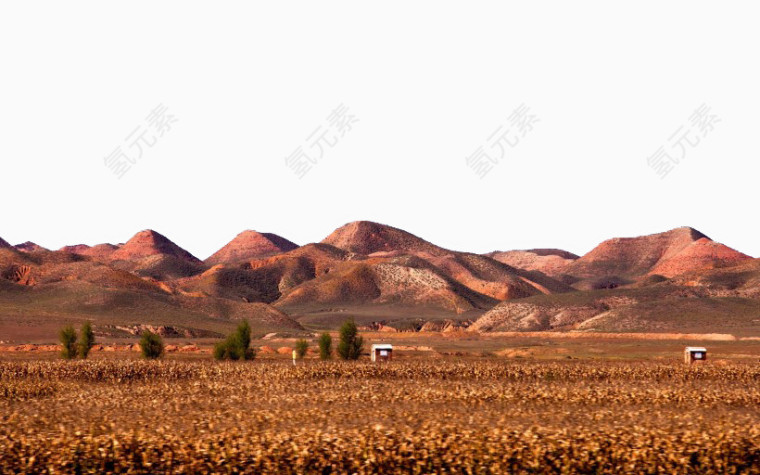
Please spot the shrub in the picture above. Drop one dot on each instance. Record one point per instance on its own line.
(325, 346)
(237, 346)
(302, 347)
(68, 337)
(228, 350)
(151, 345)
(350, 345)
(86, 340)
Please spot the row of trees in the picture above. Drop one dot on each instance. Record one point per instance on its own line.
(73, 348)
(151, 344)
(237, 346)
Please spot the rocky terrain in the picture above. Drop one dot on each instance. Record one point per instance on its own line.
(249, 245)
(676, 281)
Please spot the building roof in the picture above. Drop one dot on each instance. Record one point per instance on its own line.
(696, 348)
(382, 346)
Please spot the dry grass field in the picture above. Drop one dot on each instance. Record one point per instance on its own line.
(416, 415)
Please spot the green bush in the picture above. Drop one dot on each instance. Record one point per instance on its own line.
(350, 345)
(325, 346)
(151, 345)
(237, 346)
(302, 346)
(86, 340)
(68, 337)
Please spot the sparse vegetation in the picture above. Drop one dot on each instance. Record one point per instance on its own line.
(151, 345)
(351, 344)
(68, 338)
(237, 346)
(325, 346)
(86, 340)
(302, 346)
(480, 416)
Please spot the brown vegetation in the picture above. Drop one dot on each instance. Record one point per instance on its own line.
(419, 417)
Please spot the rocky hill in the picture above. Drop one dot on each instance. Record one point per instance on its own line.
(678, 280)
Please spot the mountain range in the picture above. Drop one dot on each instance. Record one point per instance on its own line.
(384, 277)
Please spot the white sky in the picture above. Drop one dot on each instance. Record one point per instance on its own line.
(428, 81)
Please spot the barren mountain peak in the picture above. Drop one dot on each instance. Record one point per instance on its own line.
(148, 243)
(251, 244)
(367, 237)
(29, 246)
(668, 252)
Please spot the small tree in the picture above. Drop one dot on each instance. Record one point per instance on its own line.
(325, 346)
(350, 345)
(237, 346)
(87, 340)
(68, 337)
(243, 338)
(151, 345)
(302, 346)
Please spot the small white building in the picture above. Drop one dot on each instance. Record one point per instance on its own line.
(694, 354)
(382, 352)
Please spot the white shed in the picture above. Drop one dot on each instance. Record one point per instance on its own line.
(382, 352)
(693, 354)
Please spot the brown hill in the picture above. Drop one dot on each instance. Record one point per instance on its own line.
(47, 289)
(740, 280)
(480, 274)
(76, 249)
(665, 282)
(100, 251)
(548, 261)
(702, 254)
(4, 243)
(249, 245)
(150, 243)
(554, 252)
(265, 279)
(381, 281)
(160, 267)
(366, 237)
(669, 253)
(670, 307)
(29, 246)
(46, 308)
(493, 278)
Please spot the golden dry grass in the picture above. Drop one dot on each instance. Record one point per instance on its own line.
(411, 417)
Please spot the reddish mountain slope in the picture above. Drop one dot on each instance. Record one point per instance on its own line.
(75, 249)
(265, 279)
(702, 254)
(250, 245)
(150, 243)
(493, 278)
(669, 253)
(383, 281)
(4, 243)
(365, 237)
(680, 280)
(549, 261)
(480, 274)
(29, 246)
(740, 280)
(99, 252)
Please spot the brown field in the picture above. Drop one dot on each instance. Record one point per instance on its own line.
(448, 414)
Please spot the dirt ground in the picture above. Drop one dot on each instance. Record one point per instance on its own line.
(454, 345)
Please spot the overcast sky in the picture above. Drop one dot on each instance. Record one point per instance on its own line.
(569, 104)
